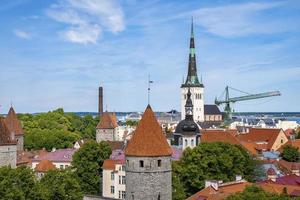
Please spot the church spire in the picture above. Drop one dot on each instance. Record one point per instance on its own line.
(189, 106)
(192, 77)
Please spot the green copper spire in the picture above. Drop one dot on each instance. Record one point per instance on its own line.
(192, 77)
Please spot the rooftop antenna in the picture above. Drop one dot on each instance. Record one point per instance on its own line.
(149, 82)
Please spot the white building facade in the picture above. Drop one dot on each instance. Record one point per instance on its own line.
(113, 179)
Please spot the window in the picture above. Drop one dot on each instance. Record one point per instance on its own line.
(158, 198)
(123, 194)
(119, 194)
(159, 163)
(132, 197)
(141, 163)
(61, 167)
(186, 142)
(123, 180)
(281, 141)
(127, 162)
(120, 179)
(192, 142)
(123, 168)
(112, 175)
(112, 189)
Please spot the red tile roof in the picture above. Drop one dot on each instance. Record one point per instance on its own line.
(279, 188)
(294, 143)
(226, 136)
(286, 166)
(13, 123)
(148, 138)
(109, 164)
(210, 193)
(108, 121)
(261, 135)
(44, 166)
(5, 134)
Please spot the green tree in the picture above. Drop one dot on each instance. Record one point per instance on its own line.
(254, 193)
(290, 153)
(219, 161)
(178, 192)
(87, 163)
(60, 185)
(56, 129)
(18, 184)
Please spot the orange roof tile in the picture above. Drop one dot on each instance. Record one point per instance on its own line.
(223, 191)
(287, 166)
(294, 143)
(109, 164)
(261, 135)
(148, 138)
(250, 147)
(108, 121)
(13, 123)
(5, 134)
(219, 136)
(278, 188)
(44, 166)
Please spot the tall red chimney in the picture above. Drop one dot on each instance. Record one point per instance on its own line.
(100, 106)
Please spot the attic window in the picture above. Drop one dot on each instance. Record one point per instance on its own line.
(141, 163)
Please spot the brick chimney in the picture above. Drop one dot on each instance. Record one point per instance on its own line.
(100, 106)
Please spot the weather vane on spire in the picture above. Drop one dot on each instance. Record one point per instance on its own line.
(149, 82)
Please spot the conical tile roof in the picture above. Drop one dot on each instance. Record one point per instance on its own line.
(13, 123)
(5, 135)
(148, 139)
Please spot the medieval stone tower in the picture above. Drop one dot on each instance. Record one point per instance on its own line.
(148, 162)
(196, 86)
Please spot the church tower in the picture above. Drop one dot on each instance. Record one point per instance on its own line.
(192, 82)
(148, 162)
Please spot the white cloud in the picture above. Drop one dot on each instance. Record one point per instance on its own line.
(83, 34)
(22, 34)
(86, 19)
(236, 20)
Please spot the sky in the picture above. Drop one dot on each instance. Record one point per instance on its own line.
(56, 53)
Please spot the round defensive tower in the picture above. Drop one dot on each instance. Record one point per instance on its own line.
(148, 162)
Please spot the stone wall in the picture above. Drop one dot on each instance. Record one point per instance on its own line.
(151, 181)
(105, 135)
(8, 155)
(20, 142)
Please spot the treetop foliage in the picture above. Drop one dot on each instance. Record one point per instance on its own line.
(56, 129)
(211, 161)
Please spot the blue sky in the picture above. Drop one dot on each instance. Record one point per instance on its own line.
(56, 53)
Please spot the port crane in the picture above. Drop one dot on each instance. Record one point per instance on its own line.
(230, 100)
